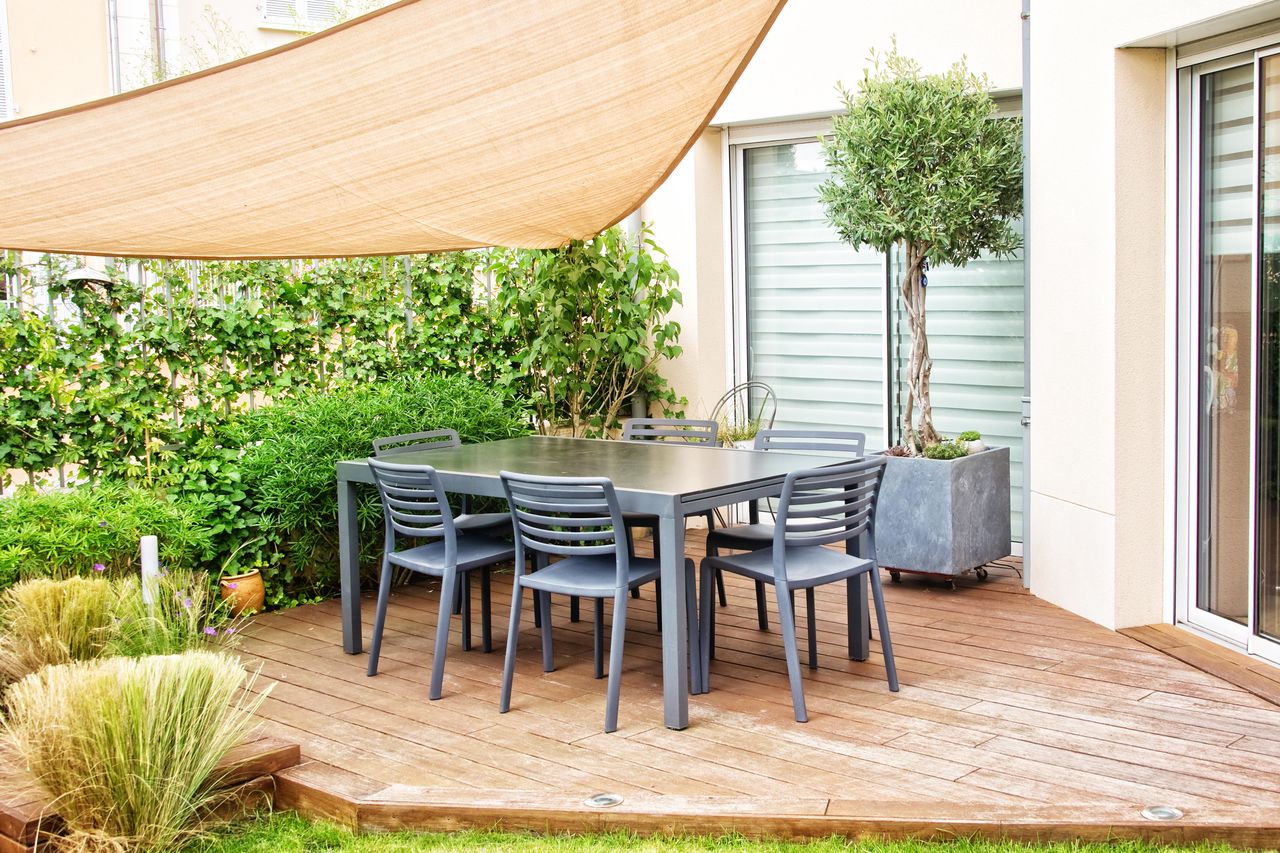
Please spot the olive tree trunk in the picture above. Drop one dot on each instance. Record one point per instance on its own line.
(917, 415)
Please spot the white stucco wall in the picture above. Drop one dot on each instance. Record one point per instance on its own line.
(1100, 273)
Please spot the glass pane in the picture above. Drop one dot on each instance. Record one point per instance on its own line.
(814, 305)
(1268, 509)
(1226, 252)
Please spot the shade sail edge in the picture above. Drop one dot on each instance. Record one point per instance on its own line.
(528, 192)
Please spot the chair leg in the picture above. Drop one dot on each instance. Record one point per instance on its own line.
(539, 562)
(466, 611)
(513, 637)
(708, 615)
(657, 603)
(486, 613)
(882, 619)
(449, 584)
(697, 678)
(615, 660)
(597, 638)
(811, 620)
(635, 592)
(724, 599)
(575, 609)
(762, 614)
(787, 624)
(548, 657)
(380, 617)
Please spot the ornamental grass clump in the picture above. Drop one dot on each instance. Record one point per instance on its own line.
(45, 622)
(183, 614)
(127, 747)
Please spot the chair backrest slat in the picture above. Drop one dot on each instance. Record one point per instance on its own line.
(700, 433)
(566, 516)
(822, 506)
(435, 439)
(414, 502)
(822, 441)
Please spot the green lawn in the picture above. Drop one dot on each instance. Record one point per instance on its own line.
(287, 833)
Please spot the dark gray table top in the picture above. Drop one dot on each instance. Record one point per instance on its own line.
(665, 468)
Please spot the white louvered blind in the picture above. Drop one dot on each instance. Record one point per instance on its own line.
(974, 320)
(814, 317)
(6, 79)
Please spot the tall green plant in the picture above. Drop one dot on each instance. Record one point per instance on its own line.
(592, 326)
(919, 162)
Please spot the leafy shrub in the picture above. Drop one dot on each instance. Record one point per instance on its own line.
(266, 479)
(44, 622)
(969, 435)
(945, 450)
(65, 533)
(126, 747)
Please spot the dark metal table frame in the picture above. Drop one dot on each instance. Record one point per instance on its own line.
(666, 480)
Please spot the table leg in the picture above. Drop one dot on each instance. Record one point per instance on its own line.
(675, 635)
(859, 616)
(349, 567)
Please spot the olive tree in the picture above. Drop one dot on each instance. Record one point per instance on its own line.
(919, 161)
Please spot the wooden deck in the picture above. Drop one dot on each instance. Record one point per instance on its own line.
(1015, 719)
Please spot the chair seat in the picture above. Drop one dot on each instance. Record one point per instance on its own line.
(806, 565)
(590, 577)
(483, 521)
(474, 549)
(742, 537)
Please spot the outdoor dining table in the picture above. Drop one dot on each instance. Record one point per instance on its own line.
(664, 479)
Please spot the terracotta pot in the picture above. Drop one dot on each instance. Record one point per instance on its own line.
(244, 593)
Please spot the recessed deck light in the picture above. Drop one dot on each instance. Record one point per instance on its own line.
(1161, 813)
(602, 801)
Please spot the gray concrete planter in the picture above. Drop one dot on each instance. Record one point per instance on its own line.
(944, 516)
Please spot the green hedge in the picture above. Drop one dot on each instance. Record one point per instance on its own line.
(266, 479)
(64, 533)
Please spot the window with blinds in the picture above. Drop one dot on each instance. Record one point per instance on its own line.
(306, 14)
(817, 326)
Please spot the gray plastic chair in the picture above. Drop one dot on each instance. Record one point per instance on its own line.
(806, 522)
(699, 433)
(756, 535)
(577, 519)
(415, 505)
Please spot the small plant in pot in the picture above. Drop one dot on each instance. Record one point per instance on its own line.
(972, 441)
(241, 587)
(741, 435)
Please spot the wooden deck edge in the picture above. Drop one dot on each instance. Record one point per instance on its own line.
(1228, 664)
(353, 802)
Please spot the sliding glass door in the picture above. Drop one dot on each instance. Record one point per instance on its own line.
(1231, 175)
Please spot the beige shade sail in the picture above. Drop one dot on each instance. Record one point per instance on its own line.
(427, 125)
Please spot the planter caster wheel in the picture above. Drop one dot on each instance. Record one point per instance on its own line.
(949, 583)
(895, 576)
(982, 573)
